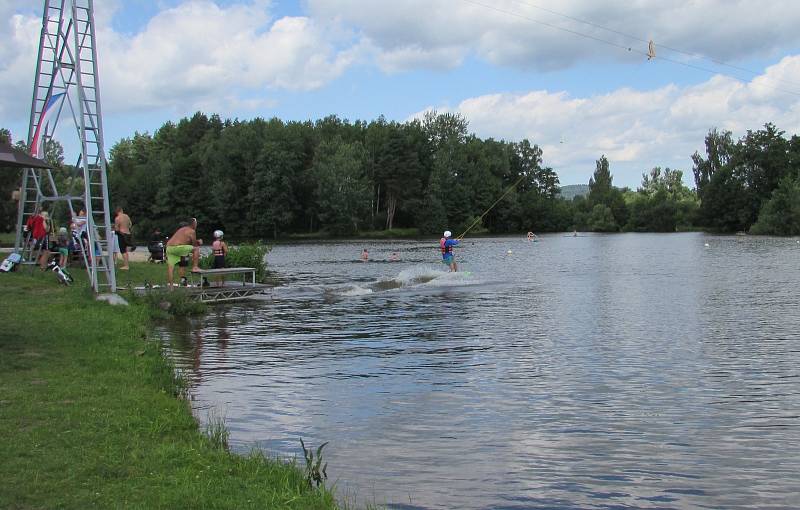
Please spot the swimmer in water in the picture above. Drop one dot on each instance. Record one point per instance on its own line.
(364, 255)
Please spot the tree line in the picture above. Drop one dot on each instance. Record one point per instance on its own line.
(269, 178)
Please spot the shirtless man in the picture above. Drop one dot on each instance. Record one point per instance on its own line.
(182, 243)
(122, 227)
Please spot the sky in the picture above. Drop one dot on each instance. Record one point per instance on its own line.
(571, 76)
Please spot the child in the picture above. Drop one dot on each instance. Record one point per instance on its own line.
(364, 255)
(63, 241)
(220, 250)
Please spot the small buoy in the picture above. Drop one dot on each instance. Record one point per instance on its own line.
(510, 252)
(707, 245)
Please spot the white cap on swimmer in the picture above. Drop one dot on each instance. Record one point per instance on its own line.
(447, 233)
(218, 234)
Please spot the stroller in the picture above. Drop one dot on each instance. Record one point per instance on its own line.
(156, 249)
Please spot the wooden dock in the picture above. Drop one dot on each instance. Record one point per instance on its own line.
(228, 292)
(200, 288)
(207, 291)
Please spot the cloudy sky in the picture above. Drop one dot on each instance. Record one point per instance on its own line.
(570, 75)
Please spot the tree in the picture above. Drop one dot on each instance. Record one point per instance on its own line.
(719, 149)
(763, 160)
(342, 191)
(600, 187)
(399, 170)
(737, 179)
(781, 214)
(726, 205)
(432, 214)
(271, 197)
(602, 219)
(9, 182)
(662, 204)
(602, 192)
(445, 129)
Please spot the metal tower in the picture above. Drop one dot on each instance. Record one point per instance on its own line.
(67, 76)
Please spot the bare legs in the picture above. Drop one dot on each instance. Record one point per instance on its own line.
(181, 269)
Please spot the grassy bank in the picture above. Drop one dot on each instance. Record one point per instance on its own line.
(91, 414)
(7, 239)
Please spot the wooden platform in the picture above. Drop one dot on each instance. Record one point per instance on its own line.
(197, 276)
(208, 291)
(243, 286)
(228, 292)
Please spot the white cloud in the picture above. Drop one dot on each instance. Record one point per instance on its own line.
(635, 129)
(416, 57)
(193, 54)
(504, 31)
(223, 57)
(18, 65)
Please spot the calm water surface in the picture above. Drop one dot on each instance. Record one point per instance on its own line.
(619, 371)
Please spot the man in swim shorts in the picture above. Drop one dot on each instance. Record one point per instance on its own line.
(446, 244)
(183, 243)
(122, 228)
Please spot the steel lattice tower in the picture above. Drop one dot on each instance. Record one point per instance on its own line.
(67, 82)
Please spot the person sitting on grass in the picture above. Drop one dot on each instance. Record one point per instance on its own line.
(220, 250)
(183, 243)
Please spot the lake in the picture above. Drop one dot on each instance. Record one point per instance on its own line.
(599, 371)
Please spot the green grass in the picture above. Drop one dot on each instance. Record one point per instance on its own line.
(91, 414)
(139, 274)
(7, 239)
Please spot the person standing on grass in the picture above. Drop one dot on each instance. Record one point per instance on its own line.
(63, 247)
(39, 229)
(184, 242)
(122, 228)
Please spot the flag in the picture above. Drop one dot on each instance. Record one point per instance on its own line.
(49, 114)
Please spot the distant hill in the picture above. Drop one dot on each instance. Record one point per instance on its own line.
(571, 191)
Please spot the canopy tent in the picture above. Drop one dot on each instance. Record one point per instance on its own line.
(13, 157)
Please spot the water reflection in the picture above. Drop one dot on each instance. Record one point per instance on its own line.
(626, 371)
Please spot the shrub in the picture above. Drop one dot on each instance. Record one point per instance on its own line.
(244, 255)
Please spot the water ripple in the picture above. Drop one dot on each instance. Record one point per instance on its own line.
(625, 371)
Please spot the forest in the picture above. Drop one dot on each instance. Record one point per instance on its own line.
(332, 177)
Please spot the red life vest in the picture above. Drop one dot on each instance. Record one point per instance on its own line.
(445, 249)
